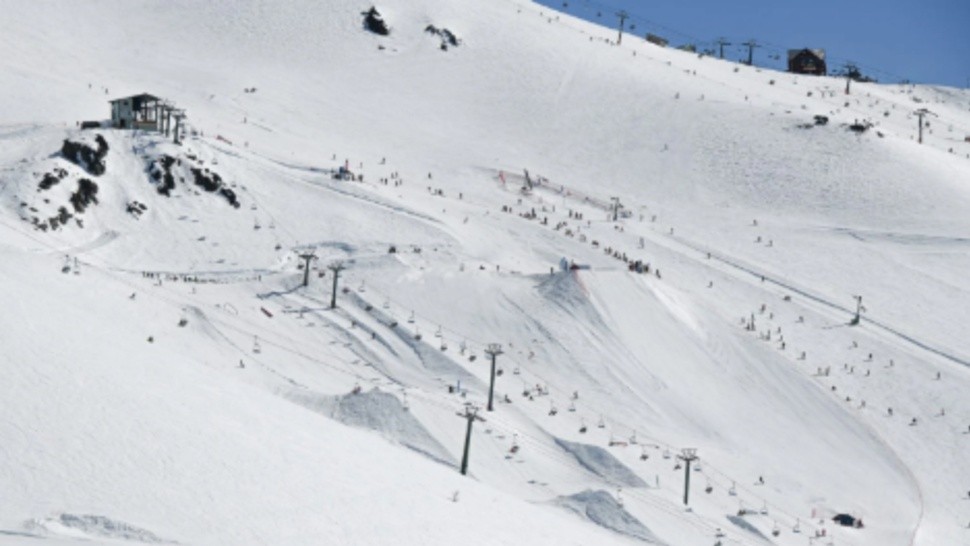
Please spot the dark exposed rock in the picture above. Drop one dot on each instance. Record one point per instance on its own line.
(374, 22)
(86, 157)
(448, 38)
(161, 171)
(212, 182)
(86, 194)
(51, 179)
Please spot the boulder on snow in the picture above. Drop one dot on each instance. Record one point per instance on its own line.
(374, 22)
(448, 38)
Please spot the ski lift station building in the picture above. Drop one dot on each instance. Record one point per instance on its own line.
(807, 61)
(136, 112)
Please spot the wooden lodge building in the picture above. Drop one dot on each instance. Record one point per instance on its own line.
(807, 61)
(137, 112)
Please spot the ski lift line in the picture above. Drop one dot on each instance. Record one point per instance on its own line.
(516, 362)
(165, 295)
(288, 348)
(657, 441)
(633, 16)
(794, 94)
(821, 299)
(538, 445)
(223, 322)
(317, 360)
(775, 509)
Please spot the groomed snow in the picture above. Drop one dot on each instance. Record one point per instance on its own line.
(166, 377)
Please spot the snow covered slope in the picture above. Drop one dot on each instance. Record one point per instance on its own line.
(167, 378)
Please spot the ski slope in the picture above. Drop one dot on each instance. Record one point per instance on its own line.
(167, 378)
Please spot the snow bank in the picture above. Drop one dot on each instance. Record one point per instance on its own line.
(378, 411)
(602, 509)
(600, 462)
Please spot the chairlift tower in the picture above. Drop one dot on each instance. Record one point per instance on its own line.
(336, 267)
(721, 42)
(493, 350)
(688, 455)
(471, 414)
(307, 257)
(920, 114)
(859, 308)
(165, 121)
(179, 115)
(623, 15)
(850, 70)
(751, 45)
